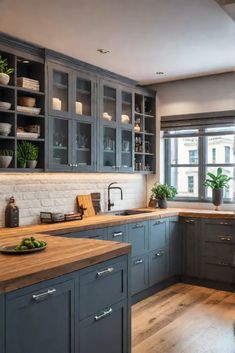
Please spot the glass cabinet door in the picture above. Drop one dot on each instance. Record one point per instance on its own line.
(109, 148)
(126, 150)
(126, 107)
(60, 158)
(109, 113)
(83, 103)
(83, 146)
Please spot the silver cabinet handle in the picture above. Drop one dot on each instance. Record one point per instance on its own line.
(224, 238)
(70, 165)
(138, 225)
(105, 272)
(138, 262)
(189, 221)
(224, 223)
(158, 222)
(39, 296)
(105, 313)
(160, 253)
(224, 263)
(118, 234)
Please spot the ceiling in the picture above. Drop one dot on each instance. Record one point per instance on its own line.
(182, 38)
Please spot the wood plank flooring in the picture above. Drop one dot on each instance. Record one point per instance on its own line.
(184, 319)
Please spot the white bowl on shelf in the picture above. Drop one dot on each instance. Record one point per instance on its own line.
(5, 129)
(5, 105)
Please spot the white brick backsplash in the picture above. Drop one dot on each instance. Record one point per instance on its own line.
(57, 192)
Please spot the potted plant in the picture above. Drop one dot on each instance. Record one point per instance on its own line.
(27, 154)
(5, 71)
(217, 182)
(6, 158)
(162, 193)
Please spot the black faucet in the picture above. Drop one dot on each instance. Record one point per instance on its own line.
(110, 187)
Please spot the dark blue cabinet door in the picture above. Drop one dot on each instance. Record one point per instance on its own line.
(41, 320)
(105, 331)
(191, 246)
(139, 274)
(2, 323)
(175, 246)
(158, 234)
(91, 234)
(158, 266)
(138, 237)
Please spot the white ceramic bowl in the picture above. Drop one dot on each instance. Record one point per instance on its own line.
(5, 105)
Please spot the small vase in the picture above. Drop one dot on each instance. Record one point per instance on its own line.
(5, 161)
(162, 203)
(31, 164)
(217, 197)
(4, 79)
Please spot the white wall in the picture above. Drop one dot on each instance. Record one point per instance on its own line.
(197, 95)
(57, 192)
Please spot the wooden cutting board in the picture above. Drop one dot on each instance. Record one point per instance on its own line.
(86, 202)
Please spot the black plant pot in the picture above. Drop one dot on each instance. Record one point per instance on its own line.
(162, 203)
(217, 197)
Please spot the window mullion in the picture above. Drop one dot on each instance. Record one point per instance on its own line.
(201, 171)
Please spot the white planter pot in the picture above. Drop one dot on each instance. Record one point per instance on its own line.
(4, 79)
(32, 164)
(5, 161)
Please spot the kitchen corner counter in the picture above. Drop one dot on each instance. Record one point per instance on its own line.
(63, 255)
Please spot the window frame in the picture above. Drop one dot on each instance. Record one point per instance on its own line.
(202, 165)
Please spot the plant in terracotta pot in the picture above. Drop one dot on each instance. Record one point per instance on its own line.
(217, 182)
(5, 157)
(5, 71)
(162, 193)
(27, 154)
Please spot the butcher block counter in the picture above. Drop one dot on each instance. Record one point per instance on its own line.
(108, 220)
(62, 255)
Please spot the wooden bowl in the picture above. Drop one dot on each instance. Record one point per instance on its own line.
(27, 101)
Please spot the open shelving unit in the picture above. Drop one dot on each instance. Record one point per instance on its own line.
(31, 69)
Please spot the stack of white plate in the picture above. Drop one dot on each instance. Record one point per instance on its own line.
(5, 105)
(5, 129)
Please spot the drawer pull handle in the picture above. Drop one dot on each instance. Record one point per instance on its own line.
(159, 253)
(105, 313)
(158, 222)
(224, 223)
(40, 296)
(138, 225)
(189, 221)
(118, 234)
(222, 238)
(138, 262)
(224, 263)
(101, 273)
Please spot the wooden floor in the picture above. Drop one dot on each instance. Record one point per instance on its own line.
(184, 319)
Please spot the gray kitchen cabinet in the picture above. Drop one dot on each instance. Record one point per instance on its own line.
(102, 285)
(105, 331)
(175, 247)
(2, 323)
(158, 266)
(139, 273)
(41, 318)
(118, 233)
(158, 234)
(191, 246)
(138, 237)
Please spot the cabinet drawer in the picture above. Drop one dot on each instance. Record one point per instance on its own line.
(91, 234)
(138, 237)
(118, 233)
(225, 251)
(218, 231)
(105, 331)
(218, 269)
(139, 273)
(102, 285)
(158, 266)
(158, 237)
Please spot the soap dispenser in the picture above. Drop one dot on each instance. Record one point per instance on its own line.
(11, 214)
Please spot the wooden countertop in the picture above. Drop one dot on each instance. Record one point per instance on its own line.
(108, 220)
(62, 255)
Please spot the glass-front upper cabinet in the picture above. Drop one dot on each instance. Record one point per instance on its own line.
(109, 103)
(60, 147)
(127, 107)
(127, 152)
(60, 90)
(109, 149)
(84, 97)
(84, 150)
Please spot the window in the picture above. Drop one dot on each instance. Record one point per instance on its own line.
(227, 154)
(190, 184)
(191, 154)
(213, 155)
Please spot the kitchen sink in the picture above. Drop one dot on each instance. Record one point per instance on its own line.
(130, 212)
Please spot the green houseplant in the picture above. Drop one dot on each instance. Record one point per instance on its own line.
(5, 157)
(217, 182)
(162, 193)
(5, 71)
(27, 154)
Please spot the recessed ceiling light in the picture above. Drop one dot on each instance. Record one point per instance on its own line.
(103, 51)
(159, 73)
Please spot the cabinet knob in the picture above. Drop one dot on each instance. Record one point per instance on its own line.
(70, 165)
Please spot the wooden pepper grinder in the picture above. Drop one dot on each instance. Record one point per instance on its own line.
(12, 214)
